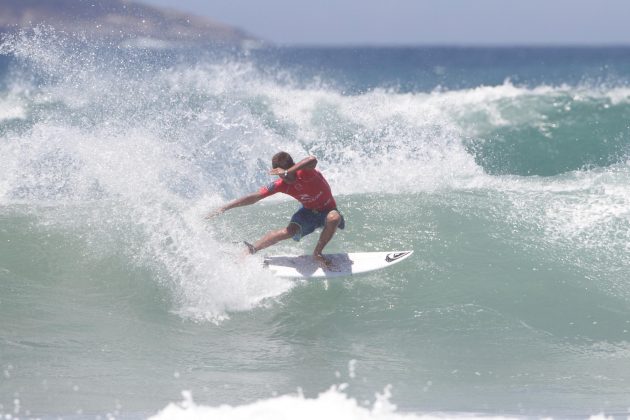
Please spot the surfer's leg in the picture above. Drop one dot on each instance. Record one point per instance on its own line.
(275, 236)
(333, 219)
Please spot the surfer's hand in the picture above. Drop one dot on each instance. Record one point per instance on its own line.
(278, 172)
(215, 213)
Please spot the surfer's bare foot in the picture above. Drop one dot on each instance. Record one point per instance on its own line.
(322, 261)
(251, 249)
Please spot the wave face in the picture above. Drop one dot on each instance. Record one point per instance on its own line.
(506, 170)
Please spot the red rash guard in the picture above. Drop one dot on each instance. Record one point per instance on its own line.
(310, 189)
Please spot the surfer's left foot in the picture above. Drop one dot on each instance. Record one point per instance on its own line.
(250, 248)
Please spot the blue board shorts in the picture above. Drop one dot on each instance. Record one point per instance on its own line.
(308, 220)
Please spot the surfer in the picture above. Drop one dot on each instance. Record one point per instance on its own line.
(307, 185)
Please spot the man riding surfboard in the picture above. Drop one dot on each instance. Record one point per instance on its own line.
(307, 185)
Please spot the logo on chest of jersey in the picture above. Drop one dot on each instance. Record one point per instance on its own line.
(308, 198)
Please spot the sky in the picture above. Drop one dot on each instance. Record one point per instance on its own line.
(420, 22)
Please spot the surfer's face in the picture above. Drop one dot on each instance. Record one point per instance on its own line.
(285, 163)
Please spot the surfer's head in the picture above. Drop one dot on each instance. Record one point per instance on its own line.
(282, 160)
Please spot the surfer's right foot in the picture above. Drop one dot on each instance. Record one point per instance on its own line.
(250, 248)
(323, 262)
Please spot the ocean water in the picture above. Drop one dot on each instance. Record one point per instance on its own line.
(507, 170)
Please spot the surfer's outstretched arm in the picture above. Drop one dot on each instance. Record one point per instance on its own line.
(239, 202)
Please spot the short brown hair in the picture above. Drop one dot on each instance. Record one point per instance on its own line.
(281, 157)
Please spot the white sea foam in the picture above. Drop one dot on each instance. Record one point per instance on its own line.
(332, 404)
(137, 180)
(580, 207)
(11, 109)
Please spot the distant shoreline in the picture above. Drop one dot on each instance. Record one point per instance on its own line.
(120, 20)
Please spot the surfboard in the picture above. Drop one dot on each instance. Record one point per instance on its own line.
(344, 264)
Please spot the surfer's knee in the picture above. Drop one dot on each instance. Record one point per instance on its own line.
(292, 230)
(333, 218)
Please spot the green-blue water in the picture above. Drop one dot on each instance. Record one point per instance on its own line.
(506, 170)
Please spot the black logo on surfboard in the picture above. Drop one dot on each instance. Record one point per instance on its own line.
(395, 256)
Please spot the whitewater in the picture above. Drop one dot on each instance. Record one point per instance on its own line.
(506, 170)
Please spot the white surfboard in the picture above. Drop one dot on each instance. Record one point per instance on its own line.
(305, 266)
